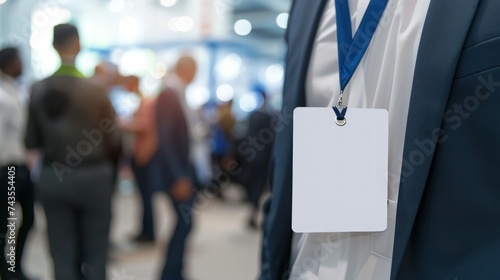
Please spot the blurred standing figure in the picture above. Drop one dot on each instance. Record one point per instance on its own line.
(13, 158)
(225, 124)
(256, 165)
(145, 161)
(106, 73)
(145, 164)
(72, 123)
(177, 171)
(222, 141)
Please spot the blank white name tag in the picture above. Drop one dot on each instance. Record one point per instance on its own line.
(340, 172)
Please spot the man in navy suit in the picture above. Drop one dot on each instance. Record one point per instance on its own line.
(448, 180)
(177, 172)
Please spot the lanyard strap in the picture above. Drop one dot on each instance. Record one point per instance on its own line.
(351, 50)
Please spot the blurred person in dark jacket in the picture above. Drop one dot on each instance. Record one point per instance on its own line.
(178, 174)
(226, 123)
(222, 145)
(257, 153)
(72, 124)
(15, 182)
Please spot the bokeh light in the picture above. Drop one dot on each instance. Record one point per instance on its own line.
(242, 27)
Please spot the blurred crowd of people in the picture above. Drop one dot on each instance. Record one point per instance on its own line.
(68, 143)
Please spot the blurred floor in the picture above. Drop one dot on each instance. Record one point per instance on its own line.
(221, 247)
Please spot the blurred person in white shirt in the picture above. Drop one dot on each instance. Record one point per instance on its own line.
(15, 182)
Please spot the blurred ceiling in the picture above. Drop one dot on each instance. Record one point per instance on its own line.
(266, 36)
(103, 21)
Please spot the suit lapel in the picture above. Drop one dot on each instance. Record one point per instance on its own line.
(301, 36)
(305, 16)
(445, 31)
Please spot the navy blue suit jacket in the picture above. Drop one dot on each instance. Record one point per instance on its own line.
(173, 139)
(448, 219)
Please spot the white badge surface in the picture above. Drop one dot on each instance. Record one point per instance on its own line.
(340, 172)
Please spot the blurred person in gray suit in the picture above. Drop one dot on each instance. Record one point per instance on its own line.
(177, 170)
(72, 124)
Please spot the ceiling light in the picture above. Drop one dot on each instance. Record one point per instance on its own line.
(168, 3)
(225, 93)
(242, 27)
(274, 73)
(129, 26)
(229, 68)
(184, 24)
(282, 20)
(248, 102)
(116, 6)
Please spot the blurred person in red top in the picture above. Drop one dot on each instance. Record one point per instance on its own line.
(144, 155)
(106, 73)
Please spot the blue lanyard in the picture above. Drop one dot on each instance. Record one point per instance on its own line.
(351, 50)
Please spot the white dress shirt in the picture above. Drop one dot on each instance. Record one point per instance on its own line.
(382, 80)
(12, 122)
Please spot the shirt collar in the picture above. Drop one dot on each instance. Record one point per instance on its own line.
(7, 79)
(9, 84)
(68, 70)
